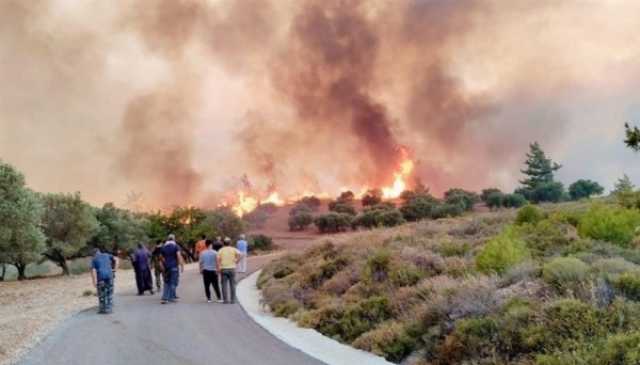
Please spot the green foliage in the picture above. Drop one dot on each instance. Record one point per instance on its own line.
(390, 340)
(529, 214)
(333, 222)
(118, 229)
(452, 248)
(623, 185)
(447, 211)
(258, 217)
(312, 202)
(539, 168)
(502, 252)
(465, 199)
(69, 223)
(632, 139)
(486, 193)
(300, 221)
(379, 216)
(565, 273)
(629, 285)
(514, 200)
(584, 189)
(378, 265)
(418, 207)
(300, 208)
(345, 198)
(552, 191)
(546, 237)
(260, 242)
(343, 209)
(611, 224)
(21, 239)
(372, 197)
(219, 222)
(495, 200)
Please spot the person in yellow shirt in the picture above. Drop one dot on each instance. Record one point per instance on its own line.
(228, 258)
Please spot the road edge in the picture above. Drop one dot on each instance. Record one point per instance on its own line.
(309, 341)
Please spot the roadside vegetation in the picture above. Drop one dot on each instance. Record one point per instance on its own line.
(548, 277)
(39, 229)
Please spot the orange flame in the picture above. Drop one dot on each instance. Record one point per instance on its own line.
(399, 184)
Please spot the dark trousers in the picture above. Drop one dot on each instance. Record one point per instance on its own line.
(158, 275)
(229, 279)
(171, 281)
(211, 278)
(143, 280)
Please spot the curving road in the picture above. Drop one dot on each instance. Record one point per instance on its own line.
(142, 331)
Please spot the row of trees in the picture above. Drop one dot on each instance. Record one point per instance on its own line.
(59, 227)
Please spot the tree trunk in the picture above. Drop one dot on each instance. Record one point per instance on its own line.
(63, 265)
(21, 271)
(59, 259)
(3, 272)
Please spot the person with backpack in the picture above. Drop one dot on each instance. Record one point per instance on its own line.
(103, 267)
(173, 265)
(209, 270)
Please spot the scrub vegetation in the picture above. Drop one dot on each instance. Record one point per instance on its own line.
(545, 285)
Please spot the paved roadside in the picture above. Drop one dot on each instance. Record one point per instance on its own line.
(142, 331)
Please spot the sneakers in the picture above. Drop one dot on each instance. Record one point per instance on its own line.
(219, 301)
(208, 300)
(163, 302)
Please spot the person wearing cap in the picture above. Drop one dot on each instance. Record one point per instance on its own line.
(243, 247)
(103, 266)
(228, 258)
(173, 265)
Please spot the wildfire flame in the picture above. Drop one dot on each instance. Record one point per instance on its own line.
(246, 201)
(399, 184)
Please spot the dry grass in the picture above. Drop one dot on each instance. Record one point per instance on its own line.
(30, 309)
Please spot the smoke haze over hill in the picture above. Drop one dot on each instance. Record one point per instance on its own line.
(179, 99)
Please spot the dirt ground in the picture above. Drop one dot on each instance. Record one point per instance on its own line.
(30, 309)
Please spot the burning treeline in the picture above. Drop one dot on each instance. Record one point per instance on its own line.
(179, 99)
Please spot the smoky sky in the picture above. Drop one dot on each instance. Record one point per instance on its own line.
(178, 100)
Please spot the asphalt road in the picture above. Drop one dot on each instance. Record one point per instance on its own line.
(142, 331)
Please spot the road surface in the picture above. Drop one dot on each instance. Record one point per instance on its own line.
(142, 331)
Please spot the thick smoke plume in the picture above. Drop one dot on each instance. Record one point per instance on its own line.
(178, 100)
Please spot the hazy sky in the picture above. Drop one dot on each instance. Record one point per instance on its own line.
(178, 100)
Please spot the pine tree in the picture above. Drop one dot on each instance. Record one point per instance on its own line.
(539, 169)
(624, 185)
(632, 139)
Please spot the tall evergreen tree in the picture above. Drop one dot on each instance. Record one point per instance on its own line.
(540, 168)
(632, 139)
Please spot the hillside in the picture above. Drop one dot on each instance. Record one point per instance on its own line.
(558, 284)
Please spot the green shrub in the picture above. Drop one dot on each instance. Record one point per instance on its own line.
(495, 200)
(615, 225)
(569, 322)
(343, 208)
(378, 265)
(260, 242)
(486, 193)
(418, 207)
(300, 208)
(611, 268)
(447, 210)
(405, 275)
(79, 266)
(379, 217)
(514, 200)
(565, 273)
(333, 222)
(389, 340)
(546, 237)
(472, 338)
(300, 221)
(465, 199)
(452, 248)
(529, 214)
(629, 285)
(502, 252)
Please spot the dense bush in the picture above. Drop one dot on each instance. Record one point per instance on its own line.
(465, 199)
(495, 200)
(372, 197)
(611, 224)
(300, 221)
(382, 216)
(514, 200)
(447, 211)
(300, 208)
(343, 208)
(629, 285)
(565, 273)
(502, 252)
(584, 189)
(486, 193)
(312, 202)
(333, 222)
(260, 242)
(418, 207)
(529, 214)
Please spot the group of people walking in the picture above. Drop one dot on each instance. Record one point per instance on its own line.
(218, 262)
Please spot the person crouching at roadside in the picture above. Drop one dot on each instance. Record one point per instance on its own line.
(209, 270)
(103, 267)
(228, 258)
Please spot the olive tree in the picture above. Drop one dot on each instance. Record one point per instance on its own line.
(21, 240)
(69, 223)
